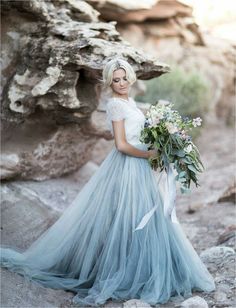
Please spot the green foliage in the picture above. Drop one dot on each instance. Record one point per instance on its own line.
(167, 132)
(189, 92)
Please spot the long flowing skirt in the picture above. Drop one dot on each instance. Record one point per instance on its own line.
(94, 250)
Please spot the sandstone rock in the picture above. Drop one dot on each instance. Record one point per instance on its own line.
(101, 150)
(163, 19)
(67, 72)
(221, 297)
(126, 13)
(53, 194)
(194, 302)
(216, 254)
(166, 28)
(229, 233)
(50, 152)
(122, 5)
(86, 172)
(18, 292)
(96, 126)
(24, 217)
(229, 195)
(10, 166)
(53, 56)
(46, 11)
(80, 10)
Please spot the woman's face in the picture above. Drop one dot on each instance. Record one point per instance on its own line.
(120, 84)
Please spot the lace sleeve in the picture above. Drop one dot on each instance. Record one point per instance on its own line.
(115, 110)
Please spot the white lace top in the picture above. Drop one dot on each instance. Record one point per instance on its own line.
(118, 109)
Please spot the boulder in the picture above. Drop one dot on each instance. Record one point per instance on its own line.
(125, 12)
(43, 150)
(24, 217)
(229, 233)
(162, 18)
(217, 255)
(121, 5)
(229, 194)
(194, 302)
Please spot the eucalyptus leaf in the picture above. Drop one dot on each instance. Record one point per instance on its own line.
(154, 133)
(182, 180)
(192, 168)
(182, 174)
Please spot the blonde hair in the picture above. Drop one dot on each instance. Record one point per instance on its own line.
(114, 65)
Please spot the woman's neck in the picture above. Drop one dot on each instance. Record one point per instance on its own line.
(125, 97)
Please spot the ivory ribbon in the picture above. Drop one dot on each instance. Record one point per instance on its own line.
(169, 201)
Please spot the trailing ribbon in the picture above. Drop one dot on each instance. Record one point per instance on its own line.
(170, 195)
(169, 201)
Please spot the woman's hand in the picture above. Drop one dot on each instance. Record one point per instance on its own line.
(152, 153)
(153, 158)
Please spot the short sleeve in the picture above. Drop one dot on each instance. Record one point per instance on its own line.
(115, 110)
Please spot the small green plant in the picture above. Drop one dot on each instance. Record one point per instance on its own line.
(188, 91)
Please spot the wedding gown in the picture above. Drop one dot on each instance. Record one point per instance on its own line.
(96, 248)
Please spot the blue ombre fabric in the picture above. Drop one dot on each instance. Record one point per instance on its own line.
(94, 250)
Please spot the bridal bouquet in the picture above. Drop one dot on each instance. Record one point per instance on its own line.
(166, 131)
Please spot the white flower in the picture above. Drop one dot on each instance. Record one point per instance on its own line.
(160, 115)
(163, 102)
(155, 122)
(197, 122)
(188, 149)
(155, 115)
(171, 128)
(183, 134)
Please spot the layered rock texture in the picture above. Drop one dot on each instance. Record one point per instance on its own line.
(168, 30)
(161, 19)
(53, 117)
(53, 55)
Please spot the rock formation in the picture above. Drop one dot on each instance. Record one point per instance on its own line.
(163, 19)
(53, 123)
(53, 55)
(168, 30)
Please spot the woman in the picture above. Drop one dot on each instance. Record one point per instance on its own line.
(97, 248)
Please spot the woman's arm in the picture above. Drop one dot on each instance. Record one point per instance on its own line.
(123, 146)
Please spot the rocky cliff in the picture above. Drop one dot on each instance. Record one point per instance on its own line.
(53, 55)
(167, 29)
(52, 123)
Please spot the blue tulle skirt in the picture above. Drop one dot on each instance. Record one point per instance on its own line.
(93, 250)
